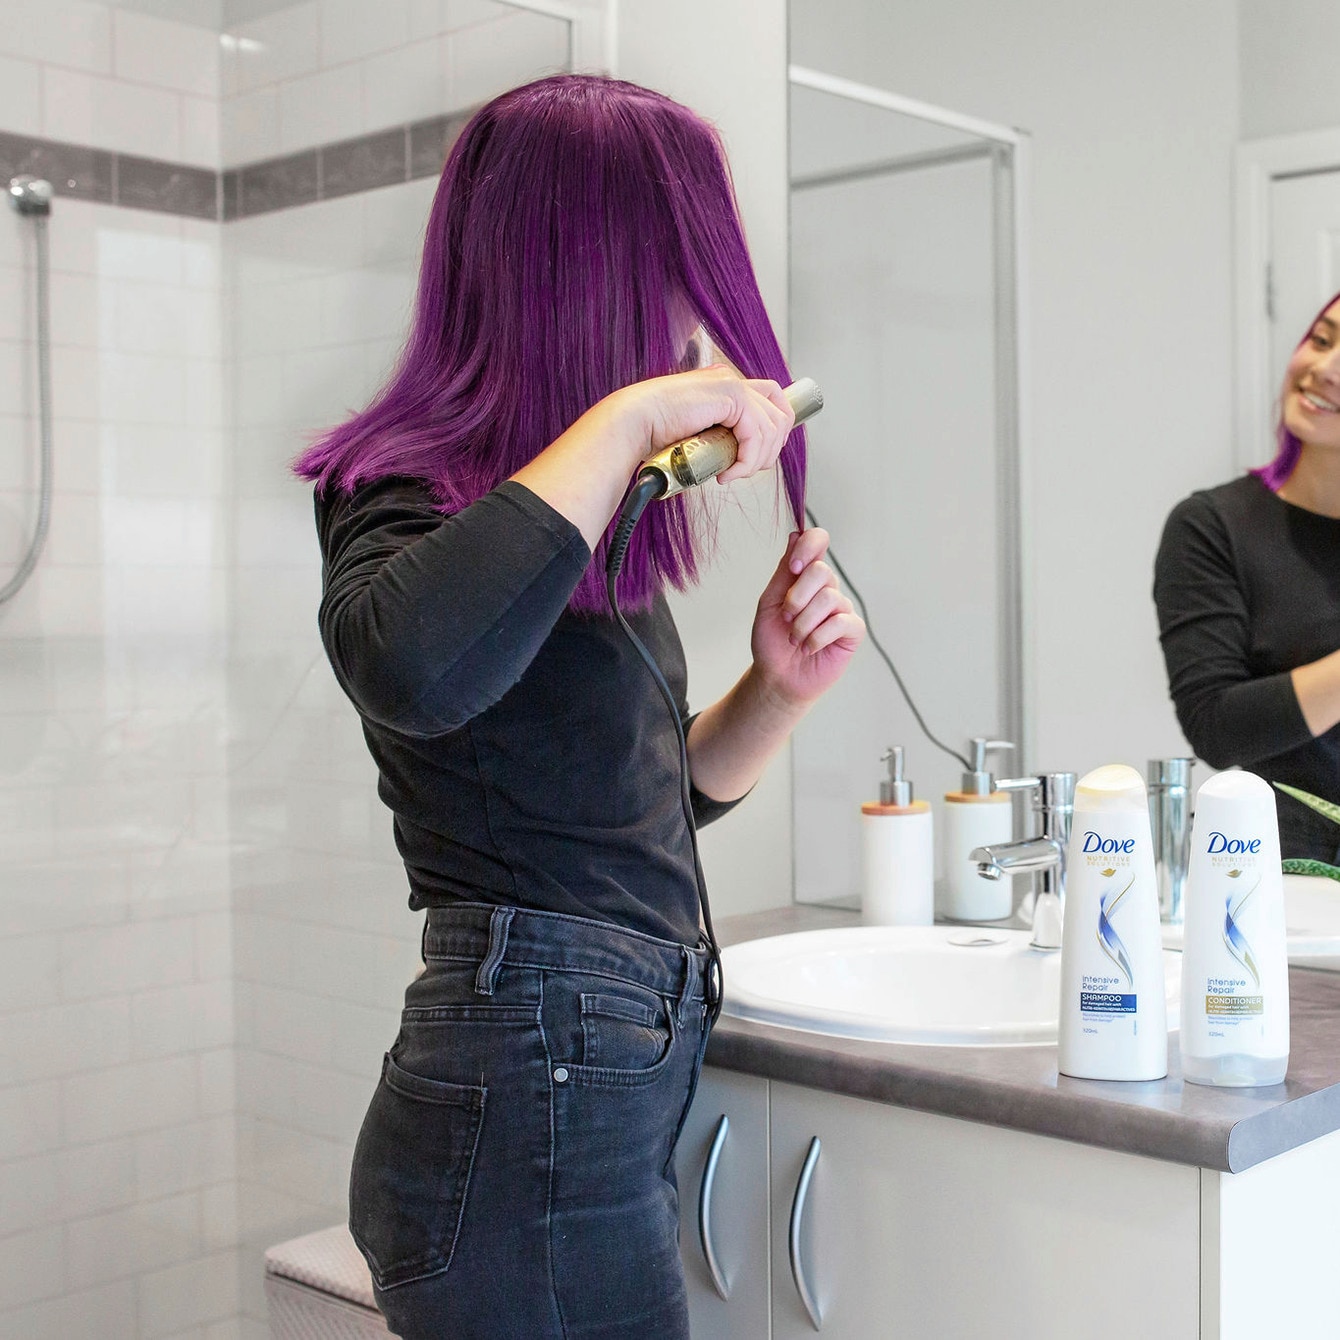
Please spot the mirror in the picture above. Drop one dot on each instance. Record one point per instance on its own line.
(903, 279)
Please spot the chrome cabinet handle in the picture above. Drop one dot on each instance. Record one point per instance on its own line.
(719, 1281)
(793, 1237)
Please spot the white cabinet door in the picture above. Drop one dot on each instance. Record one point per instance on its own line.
(737, 1227)
(929, 1228)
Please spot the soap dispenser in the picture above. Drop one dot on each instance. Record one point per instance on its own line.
(977, 816)
(898, 854)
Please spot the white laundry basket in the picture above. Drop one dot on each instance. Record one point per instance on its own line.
(318, 1288)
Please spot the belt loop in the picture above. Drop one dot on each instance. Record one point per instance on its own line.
(488, 969)
(687, 986)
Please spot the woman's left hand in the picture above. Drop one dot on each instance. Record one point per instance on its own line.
(805, 630)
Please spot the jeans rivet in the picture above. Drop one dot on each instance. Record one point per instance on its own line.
(560, 1075)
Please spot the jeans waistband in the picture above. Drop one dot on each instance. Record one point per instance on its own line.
(491, 936)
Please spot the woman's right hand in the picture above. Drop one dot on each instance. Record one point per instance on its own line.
(663, 410)
(584, 474)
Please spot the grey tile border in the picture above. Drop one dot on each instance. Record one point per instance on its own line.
(344, 167)
(278, 183)
(75, 171)
(172, 188)
(365, 163)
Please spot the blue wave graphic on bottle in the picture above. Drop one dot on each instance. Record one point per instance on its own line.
(1108, 939)
(1234, 939)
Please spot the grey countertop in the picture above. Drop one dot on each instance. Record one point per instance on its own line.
(1227, 1129)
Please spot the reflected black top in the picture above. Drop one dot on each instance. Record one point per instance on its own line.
(1248, 588)
(524, 750)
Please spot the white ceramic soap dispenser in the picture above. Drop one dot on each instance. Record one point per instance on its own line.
(898, 854)
(977, 816)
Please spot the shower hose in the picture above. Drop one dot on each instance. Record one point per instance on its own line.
(32, 198)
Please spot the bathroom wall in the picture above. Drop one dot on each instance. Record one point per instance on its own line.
(1133, 115)
(1287, 66)
(116, 998)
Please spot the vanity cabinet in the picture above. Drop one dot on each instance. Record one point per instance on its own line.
(917, 1226)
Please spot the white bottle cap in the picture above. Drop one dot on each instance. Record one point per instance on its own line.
(1113, 788)
(1237, 785)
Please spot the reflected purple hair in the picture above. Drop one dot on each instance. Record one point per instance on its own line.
(1290, 448)
(574, 218)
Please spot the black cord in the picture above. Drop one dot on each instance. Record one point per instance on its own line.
(832, 559)
(651, 485)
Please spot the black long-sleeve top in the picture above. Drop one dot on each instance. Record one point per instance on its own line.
(1248, 588)
(524, 750)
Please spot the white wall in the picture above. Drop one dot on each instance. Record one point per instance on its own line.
(1133, 113)
(1288, 70)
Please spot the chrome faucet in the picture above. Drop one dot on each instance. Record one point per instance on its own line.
(1044, 853)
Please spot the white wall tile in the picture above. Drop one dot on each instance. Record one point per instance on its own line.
(136, 244)
(278, 46)
(29, 971)
(30, 1123)
(319, 108)
(96, 1177)
(163, 461)
(75, 33)
(29, 1194)
(189, 1294)
(174, 1020)
(201, 135)
(350, 30)
(78, 317)
(151, 50)
(63, 1040)
(137, 1238)
(249, 127)
(186, 1156)
(467, 13)
(75, 382)
(20, 96)
(32, 1266)
(141, 388)
(406, 84)
(144, 1096)
(217, 1072)
(108, 1312)
(113, 960)
(108, 114)
(427, 18)
(489, 58)
(367, 304)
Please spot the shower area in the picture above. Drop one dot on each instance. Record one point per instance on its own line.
(203, 931)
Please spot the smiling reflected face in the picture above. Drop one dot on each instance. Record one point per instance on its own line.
(1311, 391)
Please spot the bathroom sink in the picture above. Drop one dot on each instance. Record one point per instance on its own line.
(1311, 919)
(964, 986)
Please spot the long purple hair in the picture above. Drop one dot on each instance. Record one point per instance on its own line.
(1289, 448)
(576, 218)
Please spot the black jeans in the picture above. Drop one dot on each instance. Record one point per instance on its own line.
(514, 1178)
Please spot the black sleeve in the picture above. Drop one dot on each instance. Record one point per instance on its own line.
(428, 620)
(1228, 716)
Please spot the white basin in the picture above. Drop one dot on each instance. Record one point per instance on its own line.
(964, 986)
(1311, 918)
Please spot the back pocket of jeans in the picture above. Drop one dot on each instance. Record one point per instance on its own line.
(620, 1033)
(411, 1171)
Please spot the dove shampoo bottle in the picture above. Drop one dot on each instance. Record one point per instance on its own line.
(1114, 1020)
(1235, 976)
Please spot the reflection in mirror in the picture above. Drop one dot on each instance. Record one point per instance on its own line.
(902, 278)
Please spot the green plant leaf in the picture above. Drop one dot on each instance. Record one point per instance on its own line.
(1298, 866)
(1326, 807)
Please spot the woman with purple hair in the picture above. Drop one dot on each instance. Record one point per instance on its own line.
(1247, 584)
(513, 1177)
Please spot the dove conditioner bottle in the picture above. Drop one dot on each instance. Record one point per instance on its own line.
(1114, 1013)
(1235, 974)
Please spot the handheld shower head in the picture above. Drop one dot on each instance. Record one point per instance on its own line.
(30, 195)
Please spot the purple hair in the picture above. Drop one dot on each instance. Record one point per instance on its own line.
(574, 218)
(1274, 474)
